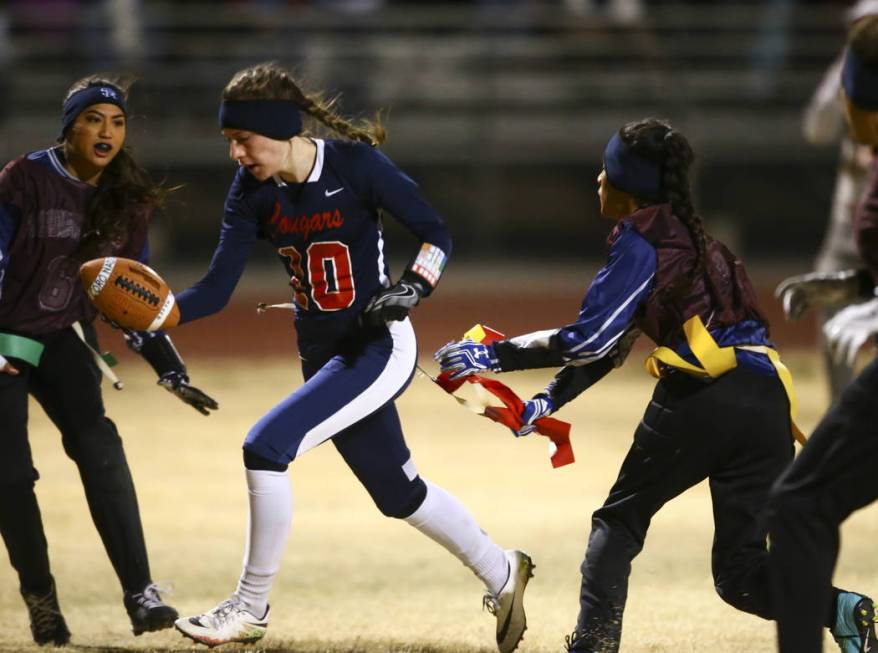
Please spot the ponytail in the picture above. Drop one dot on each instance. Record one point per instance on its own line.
(269, 81)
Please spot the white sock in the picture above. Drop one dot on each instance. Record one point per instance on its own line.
(446, 520)
(271, 510)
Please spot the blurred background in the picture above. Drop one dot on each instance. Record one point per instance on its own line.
(499, 109)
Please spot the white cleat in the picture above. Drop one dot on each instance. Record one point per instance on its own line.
(226, 623)
(508, 605)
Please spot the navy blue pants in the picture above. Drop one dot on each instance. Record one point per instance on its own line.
(349, 399)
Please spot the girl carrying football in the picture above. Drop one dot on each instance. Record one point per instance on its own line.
(720, 410)
(319, 203)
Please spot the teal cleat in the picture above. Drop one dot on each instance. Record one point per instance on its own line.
(854, 628)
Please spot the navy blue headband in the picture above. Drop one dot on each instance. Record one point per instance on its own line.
(630, 172)
(89, 96)
(277, 119)
(860, 83)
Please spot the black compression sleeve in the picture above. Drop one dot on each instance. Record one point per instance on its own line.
(159, 352)
(572, 381)
(513, 357)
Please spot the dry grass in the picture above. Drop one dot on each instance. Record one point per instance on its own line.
(353, 580)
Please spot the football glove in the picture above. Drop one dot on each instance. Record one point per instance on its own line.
(466, 357)
(178, 383)
(849, 329)
(162, 356)
(393, 303)
(821, 289)
(540, 406)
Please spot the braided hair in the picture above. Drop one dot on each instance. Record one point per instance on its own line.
(270, 81)
(124, 187)
(656, 141)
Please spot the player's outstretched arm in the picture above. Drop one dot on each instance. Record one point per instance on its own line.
(160, 353)
(572, 380)
(815, 290)
(460, 359)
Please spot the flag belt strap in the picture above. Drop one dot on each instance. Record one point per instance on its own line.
(21, 347)
(714, 361)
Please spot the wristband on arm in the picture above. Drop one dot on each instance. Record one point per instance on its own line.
(428, 266)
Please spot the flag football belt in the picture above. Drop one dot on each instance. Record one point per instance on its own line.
(26, 349)
(716, 361)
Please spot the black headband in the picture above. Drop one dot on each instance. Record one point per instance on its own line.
(277, 119)
(630, 172)
(89, 96)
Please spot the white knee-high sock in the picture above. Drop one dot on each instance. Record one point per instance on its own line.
(271, 510)
(444, 519)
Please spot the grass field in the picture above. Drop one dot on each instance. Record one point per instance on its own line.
(353, 580)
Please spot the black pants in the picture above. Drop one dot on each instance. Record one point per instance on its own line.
(67, 386)
(734, 431)
(832, 477)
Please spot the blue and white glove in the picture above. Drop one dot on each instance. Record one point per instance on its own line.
(849, 329)
(533, 409)
(466, 357)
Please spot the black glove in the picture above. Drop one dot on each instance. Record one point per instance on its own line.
(160, 353)
(394, 303)
(178, 383)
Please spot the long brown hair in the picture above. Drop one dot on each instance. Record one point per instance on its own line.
(124, 189)
(270, 81)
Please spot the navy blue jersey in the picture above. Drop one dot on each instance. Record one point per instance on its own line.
(610, 308)
(327, 233)
(42, 217)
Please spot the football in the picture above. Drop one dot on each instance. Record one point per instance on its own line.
(129, 293)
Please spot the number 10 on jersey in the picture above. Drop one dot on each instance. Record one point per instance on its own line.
(329, 277)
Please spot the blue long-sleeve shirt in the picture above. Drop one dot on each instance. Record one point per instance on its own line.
(607, 313)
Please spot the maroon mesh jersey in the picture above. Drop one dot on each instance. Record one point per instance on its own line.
(676, 298)
(40, 290)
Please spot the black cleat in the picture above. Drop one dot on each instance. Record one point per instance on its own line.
(46, 621)
(147, 611)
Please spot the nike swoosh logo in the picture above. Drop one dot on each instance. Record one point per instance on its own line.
(407, 292)
(330, 193)
(501, 634)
